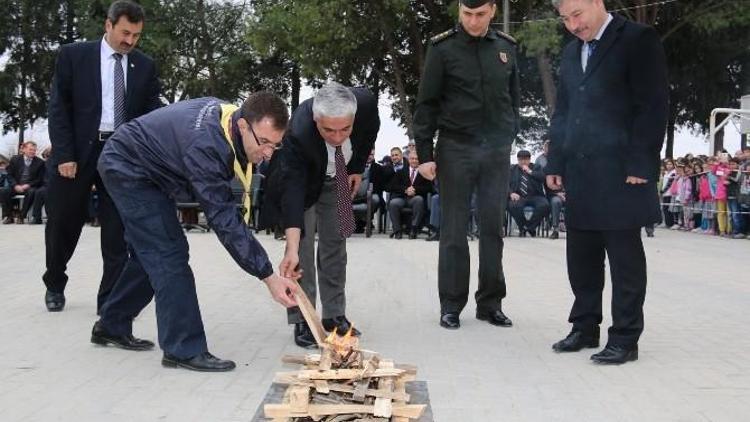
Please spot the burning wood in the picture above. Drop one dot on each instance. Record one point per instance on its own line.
(343, 382)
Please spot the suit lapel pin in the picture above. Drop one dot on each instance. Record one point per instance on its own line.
(132, 66)
(503, 57)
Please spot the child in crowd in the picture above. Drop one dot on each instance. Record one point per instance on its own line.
(697, 210)
(666, 197)
(733, 204)
(679, 194)
(707, 200)
(720, 170)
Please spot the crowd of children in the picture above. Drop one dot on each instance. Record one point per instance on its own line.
(709, 195)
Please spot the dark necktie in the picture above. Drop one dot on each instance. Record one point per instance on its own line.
(592, 47)
(343, 197)
(524, 185)
(119, 85)
(413, 176)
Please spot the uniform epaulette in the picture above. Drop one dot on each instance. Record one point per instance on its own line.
(506, 36)
(443, 35)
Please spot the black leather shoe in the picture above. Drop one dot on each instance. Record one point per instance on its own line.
(303, 336)
(340, 324)
(101, 337)
(55, 301)
(398, 235)
(576, 341)
(8, 220)
(614, 354)
(413, 234)
(205, 362)
(554, 235)
(521, 232)
(36, 221)
(531, 233)
(496, 317)
(433, 237)
(450, 321)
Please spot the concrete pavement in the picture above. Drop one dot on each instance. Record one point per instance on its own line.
(694, 355)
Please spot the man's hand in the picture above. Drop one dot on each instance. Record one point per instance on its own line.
(410, 191)
(514, 197)
(68, 169)
(289, 266)
(428, 170)
(282, 289)
(561, 195)
(19, 188)
(354, 181)
(526, 169)
(632, 180)
(554, 182)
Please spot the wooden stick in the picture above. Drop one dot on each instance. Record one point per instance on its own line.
(344, 388)
(339, 374)
(311, 316)
(411, 411)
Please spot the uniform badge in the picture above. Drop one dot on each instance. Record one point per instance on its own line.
(503, 57)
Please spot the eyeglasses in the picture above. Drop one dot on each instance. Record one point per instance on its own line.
(265, 142)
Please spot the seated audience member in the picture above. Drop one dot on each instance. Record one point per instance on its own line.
(26, 174)
(4, 184)
(373, 174)
(408, 189)
(556, 198)
(527, 190)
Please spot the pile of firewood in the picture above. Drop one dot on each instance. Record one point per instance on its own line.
(342, 382)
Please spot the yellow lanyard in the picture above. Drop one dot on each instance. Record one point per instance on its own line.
(245, 178)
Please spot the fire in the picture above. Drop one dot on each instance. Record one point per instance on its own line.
(342, 345)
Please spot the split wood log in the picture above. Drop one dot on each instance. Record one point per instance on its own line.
(384, 406)
(311, 316)
(339, 374)
(411, 411)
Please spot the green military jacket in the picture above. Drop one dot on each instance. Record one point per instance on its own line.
(469, 90)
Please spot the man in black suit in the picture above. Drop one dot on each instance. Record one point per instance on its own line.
(98, 85)
(527, 190)
(606, 135)
(26, 177)
(311, 182)
(408, 189)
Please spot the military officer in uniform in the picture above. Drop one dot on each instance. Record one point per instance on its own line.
(470, 93)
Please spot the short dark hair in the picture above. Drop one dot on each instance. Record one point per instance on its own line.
(132, 11)
(523, 154)
(265, 104)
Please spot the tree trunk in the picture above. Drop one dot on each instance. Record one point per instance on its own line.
(70, 35)
(548, 83)
(718, 142)
(669, 150)
(671, 123)
(296, 86)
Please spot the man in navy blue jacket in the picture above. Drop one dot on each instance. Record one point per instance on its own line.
(194, 147)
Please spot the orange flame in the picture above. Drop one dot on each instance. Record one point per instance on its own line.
(342, 344)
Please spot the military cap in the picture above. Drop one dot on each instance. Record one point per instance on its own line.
(473, 4)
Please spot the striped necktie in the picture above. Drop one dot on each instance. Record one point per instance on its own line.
(343, 196)
(119, 85)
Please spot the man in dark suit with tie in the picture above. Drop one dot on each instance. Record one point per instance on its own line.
(408, 189)
(527, 190)
(26, 177)
(98, 85)
(606, 135)
(311, 182)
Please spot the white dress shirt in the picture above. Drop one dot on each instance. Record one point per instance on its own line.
(107, 123)
(346, 149)
(585, 49)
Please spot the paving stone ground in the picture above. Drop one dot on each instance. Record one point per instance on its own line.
(694, 355)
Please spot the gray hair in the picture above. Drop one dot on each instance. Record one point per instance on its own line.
(334, 100)
(556, 3)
